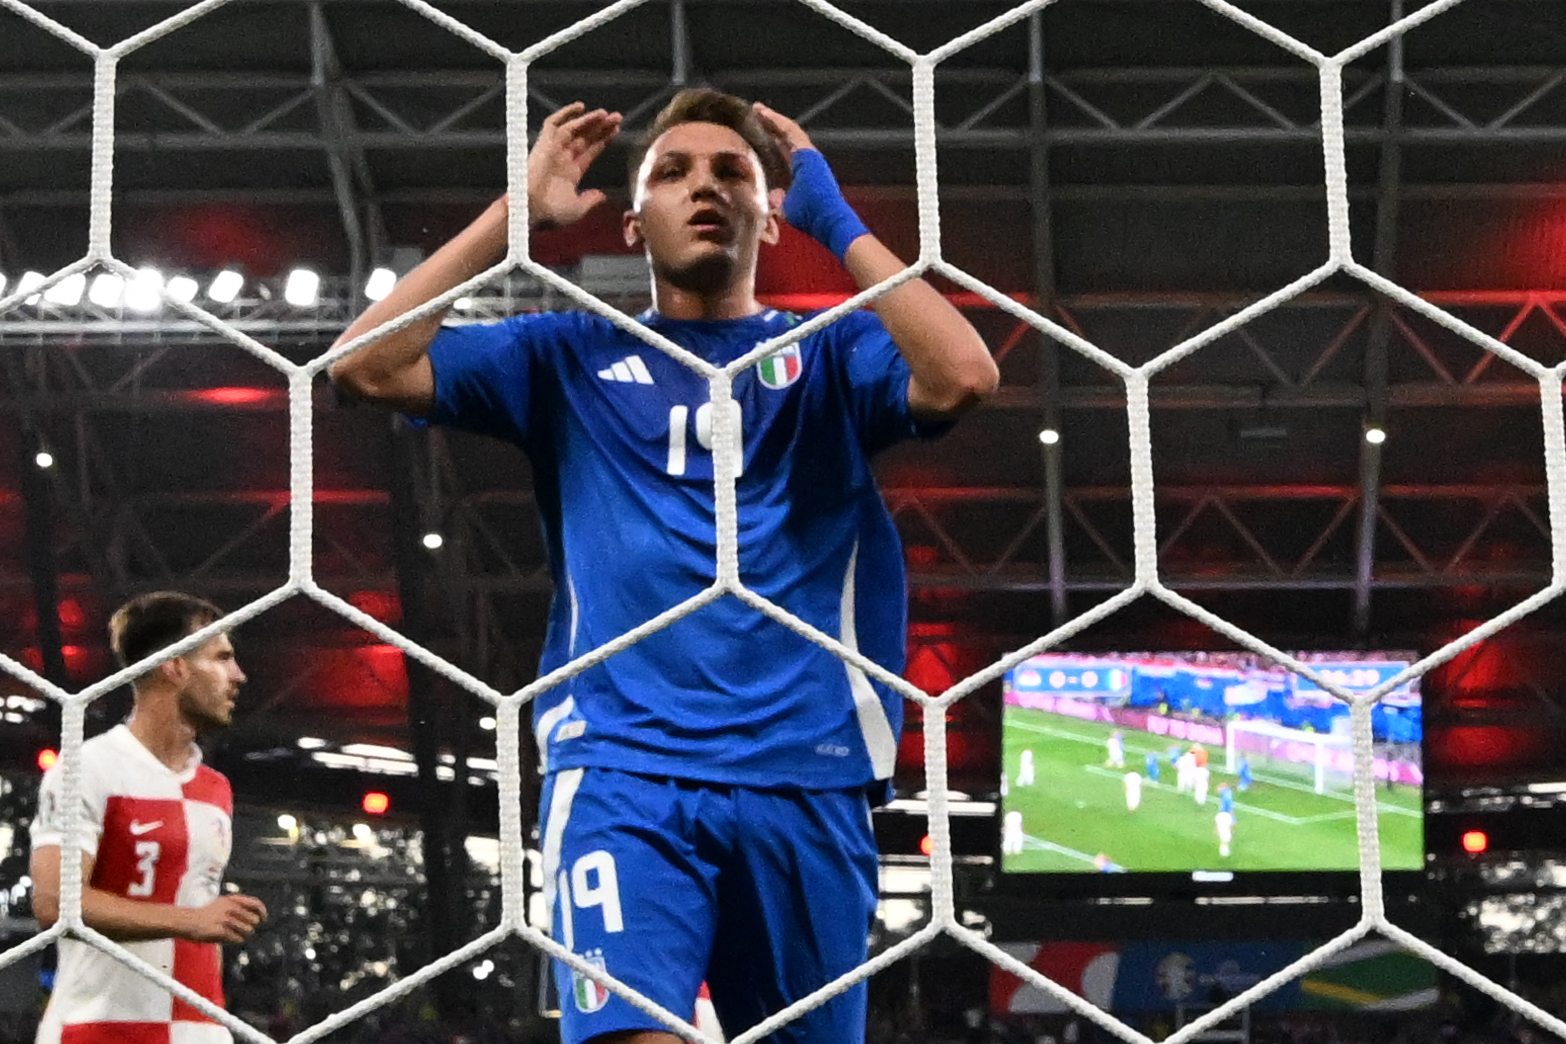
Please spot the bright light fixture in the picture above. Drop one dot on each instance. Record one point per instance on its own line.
(302, 288)
(144, 292)
(30, 281)
(433, 541)
(44, 459)
(183, 289)
(1375, 436)
(106, 289)
(226, 286)
(1049, 436)
(67, 291)
(380, 284)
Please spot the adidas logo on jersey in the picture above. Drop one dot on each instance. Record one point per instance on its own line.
(630, 370)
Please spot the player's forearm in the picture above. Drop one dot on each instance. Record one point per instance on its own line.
(952, 367)
(127, 920)
(371, 371)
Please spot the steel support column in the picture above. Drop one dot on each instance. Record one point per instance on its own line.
(1384, 260)
(425, 719)
(1042, 205)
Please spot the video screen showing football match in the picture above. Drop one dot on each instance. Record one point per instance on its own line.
(1180, 762)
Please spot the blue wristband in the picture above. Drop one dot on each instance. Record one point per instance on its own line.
(815, 205)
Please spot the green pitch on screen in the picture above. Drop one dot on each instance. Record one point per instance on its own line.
(1076, 810)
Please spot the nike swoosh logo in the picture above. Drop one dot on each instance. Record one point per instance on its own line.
(143, 828)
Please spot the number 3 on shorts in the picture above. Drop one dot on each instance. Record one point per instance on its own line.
(595, 883)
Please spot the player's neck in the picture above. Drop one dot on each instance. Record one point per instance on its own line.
(733, 302)
(158, 726)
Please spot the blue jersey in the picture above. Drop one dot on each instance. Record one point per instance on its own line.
(615, 431)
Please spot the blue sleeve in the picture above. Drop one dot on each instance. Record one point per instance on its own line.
(877, 380)
(486, 373)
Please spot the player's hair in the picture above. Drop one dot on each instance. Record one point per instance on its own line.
(705, 105)
(156, 621)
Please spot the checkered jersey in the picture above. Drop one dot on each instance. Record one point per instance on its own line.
(157, 836)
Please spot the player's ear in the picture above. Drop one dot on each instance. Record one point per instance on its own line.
(772, 230)
(632, 228)
(175, 671)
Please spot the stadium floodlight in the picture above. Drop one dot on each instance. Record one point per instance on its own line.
(302, 288)
(182, 289)
(380, 284)
(68, 291)
(106, 290)
(30, 281)
(225, 286)
(1375, 435)
(1049, 436)
(144, 291)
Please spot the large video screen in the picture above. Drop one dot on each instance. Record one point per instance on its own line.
(1193, 761)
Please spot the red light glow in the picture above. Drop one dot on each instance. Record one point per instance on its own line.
(1475, 841)
(233, 396)
(47, 758)
(376, 803)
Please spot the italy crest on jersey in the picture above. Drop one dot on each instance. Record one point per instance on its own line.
(590, 996)
(782, 369)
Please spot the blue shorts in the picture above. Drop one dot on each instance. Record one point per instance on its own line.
(767, 895)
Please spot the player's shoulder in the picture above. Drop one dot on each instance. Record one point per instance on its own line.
(848, 327)
(529, 328)
(108, 764)
(210, 787)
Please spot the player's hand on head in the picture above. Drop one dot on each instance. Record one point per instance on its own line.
(814, 203)
(789, 134)
(568, 142)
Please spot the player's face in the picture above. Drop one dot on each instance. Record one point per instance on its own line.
(701, 208)
(212, 685)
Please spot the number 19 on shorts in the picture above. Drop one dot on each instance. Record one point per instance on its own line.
(591, 884)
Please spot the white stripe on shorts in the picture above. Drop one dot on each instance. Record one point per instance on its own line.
(566, 784)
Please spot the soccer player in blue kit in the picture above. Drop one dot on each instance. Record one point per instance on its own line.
(705, 807)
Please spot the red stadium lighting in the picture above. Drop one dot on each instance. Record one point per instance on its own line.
(47, 758)
(1475, 841)
(376, 803)
(926, 845)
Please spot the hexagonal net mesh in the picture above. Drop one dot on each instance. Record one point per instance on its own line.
(726, 451)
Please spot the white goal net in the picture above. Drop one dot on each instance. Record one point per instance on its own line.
(726, 438)
(1325, 759)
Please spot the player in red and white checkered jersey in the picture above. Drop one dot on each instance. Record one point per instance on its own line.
(156, 830)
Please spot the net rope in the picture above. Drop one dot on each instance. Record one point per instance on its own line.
(726, 450)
